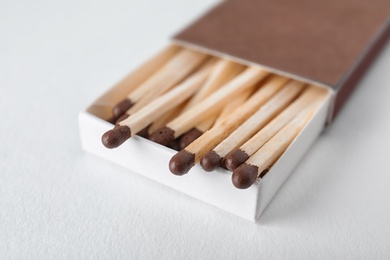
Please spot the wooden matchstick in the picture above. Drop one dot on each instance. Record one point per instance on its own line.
(236, 102)
(139, 120)
(174, 71)
(136, 78)
(167, 117)
(239, 156)
(156, 92)
(212, 104)
(223, 72)
(253, 124)
(205, 125)
(164, 119)
(258, 164)
(197, 131)
(149, 97)
(183, 161)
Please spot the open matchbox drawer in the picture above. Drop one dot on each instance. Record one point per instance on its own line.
(212, 34)
(214, 188)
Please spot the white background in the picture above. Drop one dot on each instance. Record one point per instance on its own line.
(57, 201)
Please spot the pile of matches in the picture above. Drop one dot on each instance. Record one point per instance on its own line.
(216, 112)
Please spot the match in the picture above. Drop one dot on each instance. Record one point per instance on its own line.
(212, 104)
(174, 71)
(258, 164)
(145, 116)
(252, 125)
(240, 155)
(205, 125)
(151, 95)
(224, 71)
(183, 161)
(197, 131)
(236, 102)
(167, 117)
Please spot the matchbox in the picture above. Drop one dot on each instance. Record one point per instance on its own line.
(280, 57)
(213, 188)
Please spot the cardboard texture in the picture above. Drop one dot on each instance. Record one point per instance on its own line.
(328, 42)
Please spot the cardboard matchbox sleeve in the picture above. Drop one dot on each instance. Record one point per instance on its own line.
(328, 44)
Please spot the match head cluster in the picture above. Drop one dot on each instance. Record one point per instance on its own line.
(217, 113)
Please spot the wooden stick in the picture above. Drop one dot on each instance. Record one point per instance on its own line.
(153, 94)
(165, 119)
(247, 173)
(174, 71)
(149, 97)
(236, 102)
(253, 124)
(132, 81)
(212, 104)
(205, 125)
(197, 131)
(136, 122)
(223, 72)
(239, 156)
(183, 161)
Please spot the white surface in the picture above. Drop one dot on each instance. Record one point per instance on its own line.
(57, 201)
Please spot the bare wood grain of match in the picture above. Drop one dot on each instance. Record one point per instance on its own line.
(174, 71)
(136, 122)
(197, 131)
(183, 161)
(144, 72)
(247, 173)
(212, 104)
(217, 100)
(253, 124)
(234, 103)
(223, 72)
(167, 117)
(214, 119)
(104, 105)
(156, 92)
(239, 156)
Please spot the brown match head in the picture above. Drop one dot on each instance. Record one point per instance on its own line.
(112, 120)
(244, 176)
(163, 136)
(121, 108)
(122, 117)
(235, 159)
(210, 161)
(181, 162)
(115, 137)
(189, 137)
(174, 144)
(144, 132)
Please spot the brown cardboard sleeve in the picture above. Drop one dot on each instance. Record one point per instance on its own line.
(329, 43)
